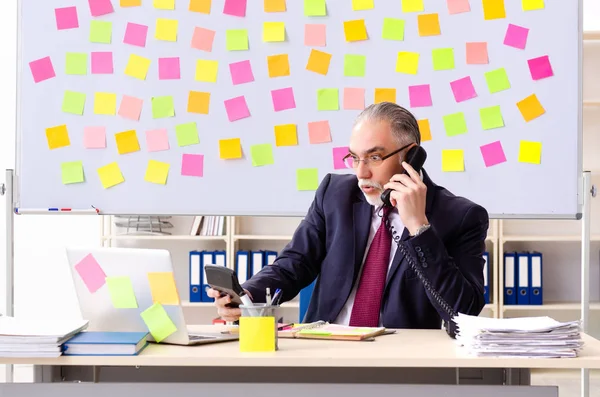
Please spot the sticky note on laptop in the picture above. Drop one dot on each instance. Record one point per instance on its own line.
(121, 292)
(163, 288)
(158, 322)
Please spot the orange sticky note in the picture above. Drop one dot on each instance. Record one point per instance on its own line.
(278, 65)
(163, 288)
(493, 9)
(355, 30)
(424, 129)
(429, 25)
(201, 6)
(407, 62)
(286, 135)
(230, 148)
(57, 137)
(198, 102)
(318, 61)
(131, 3)
(530, 152)
(127, 142)
(385, 95)
(530, 108)
(275, 6)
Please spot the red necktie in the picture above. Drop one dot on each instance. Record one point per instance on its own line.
(365, 311)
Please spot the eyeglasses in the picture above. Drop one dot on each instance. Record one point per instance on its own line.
(375, 160)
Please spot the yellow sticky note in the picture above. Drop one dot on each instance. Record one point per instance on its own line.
(257, 334)
(429, 25)
(385, 95)
(355, 30)
(57, 137)
(407, 62)
(207, 70)
(275, 6)
(163, 288)
(110, 175)
(530, 5)
(158, 322)
(131, 3)
(318, 61)
(230, 148)
(105, 103)
(530, 152)
(166, 29)
(273, 31)
(137, 67)
(121, 292)
(198, 102)
(493, 9)
(278, 65)
(164, 4)
(201, 6)
(424, 129)
(360, 5)
(286, 135)
(127, 142)
(530, 108)
(453, 160)
(157, 172)
(412, 5)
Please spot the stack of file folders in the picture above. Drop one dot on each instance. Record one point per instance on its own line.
(528, 337)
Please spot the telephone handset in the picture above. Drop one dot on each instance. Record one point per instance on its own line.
(416, 158)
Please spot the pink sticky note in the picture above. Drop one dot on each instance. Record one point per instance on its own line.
(94, 137)
(283, 99)
(237, 108)
(516, 36)
(66, 18)
(131, 107)
(157, 140)
(241, 72)
(102, 63)
(463, 89)
(319, 132)
(236, 8)
(192, 165)
(477, 53)
(203, 39)
(91, 273)
(492, 153)
(354, 98)
(420, 95)
(42, 69)
(540, 67)
(315, 35)
(458, 6)
(100, 7)
(168, 69)
(338, 157)
(135, 34)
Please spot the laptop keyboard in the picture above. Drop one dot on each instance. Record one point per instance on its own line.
(200, 337)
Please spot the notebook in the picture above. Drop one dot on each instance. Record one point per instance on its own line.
(325, 330)
(106, 344)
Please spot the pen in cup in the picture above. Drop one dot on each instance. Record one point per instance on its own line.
(277, 296)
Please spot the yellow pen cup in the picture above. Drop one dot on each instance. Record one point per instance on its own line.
(258, 328)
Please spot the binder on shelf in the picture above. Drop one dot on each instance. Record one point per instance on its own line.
(510, 278)
(257, 262)
(536, 296)
(270, 257)
(195, 275)
(486, 277)
(242, 265)
(523, 279)
(220, 258)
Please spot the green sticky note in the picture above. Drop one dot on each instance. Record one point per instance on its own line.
(72, 172)
(354, 65)
(455, 124)
(73, 102)
(328, 99)
(307, 178)
(497, 80)
(162, 106)
(158, 322)
(236, 39)
(314, 331)
(76, 63)
(121, 292)
(491, 117)
(100, 32)
(393, 29)
(443, 58)
(262, 154)
(315, 8)
(187, 134)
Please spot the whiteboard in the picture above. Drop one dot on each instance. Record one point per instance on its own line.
(510, 188)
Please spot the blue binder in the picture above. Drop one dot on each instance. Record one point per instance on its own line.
(270, 257)
(536, 296)
(242, 265)
(510, 278)
(486, 277)
(523, 278)
(305, 295)
(256, 262)
(195, 276)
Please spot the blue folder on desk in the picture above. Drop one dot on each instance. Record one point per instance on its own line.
(90, 343)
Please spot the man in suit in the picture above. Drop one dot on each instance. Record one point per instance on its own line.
(363, 279)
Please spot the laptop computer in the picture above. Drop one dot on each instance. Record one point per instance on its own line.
(89, 268)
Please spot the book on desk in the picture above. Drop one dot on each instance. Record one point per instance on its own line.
(106, 344)
(328, 331)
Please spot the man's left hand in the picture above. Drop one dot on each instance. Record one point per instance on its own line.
(408, 195)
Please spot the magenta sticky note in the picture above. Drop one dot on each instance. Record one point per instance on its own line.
(492, 153)
(420, 95)
(540, 67)
(241, 72)
(516, 36)
(237, 108)
(91, 273)
(42, 69)
(94, 137)
(169, 69)
(131, 107)
(135, 34)
(157, 140)
(100, 7)
(102, 63)
(463, 89)
(283, 99)
(66, 18)
(236, 8)
(192, 165)
(338, 157)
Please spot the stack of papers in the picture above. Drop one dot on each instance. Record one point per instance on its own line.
(527, 337)
(36, 338)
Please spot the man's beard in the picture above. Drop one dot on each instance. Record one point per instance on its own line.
(373, 199)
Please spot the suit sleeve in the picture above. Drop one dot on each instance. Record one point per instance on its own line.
(299, 262)
(455, 269)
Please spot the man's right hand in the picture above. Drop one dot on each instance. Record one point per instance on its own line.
(226, 313)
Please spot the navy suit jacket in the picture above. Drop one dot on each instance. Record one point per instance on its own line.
(330, 244)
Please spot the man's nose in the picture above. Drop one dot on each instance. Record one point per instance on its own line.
(363, 171)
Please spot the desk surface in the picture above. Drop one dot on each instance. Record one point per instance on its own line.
(406, 348)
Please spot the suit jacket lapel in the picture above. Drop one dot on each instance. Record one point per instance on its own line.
(362, 226)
